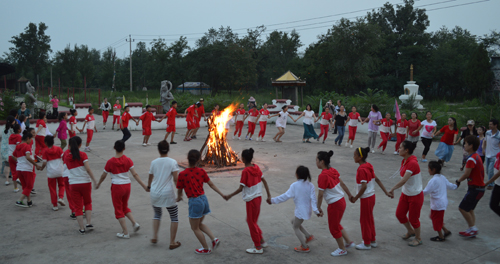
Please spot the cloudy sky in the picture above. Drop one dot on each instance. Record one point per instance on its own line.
(100, 24)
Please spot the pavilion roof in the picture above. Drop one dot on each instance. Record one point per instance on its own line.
(288, 79)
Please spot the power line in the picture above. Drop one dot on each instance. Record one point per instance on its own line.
(114, 43)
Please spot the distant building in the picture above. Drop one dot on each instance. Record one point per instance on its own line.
(194, 88)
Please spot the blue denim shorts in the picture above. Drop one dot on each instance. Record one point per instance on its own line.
(198, 207)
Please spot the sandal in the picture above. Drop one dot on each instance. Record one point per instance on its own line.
(438, 239)
(178, 244)
(415, 243)
(406, 236)
(447, 234)
(154, 240)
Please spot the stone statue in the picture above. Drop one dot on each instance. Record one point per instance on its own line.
(30, 92)
(165, 95)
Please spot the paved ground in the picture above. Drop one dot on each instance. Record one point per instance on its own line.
(40, 235)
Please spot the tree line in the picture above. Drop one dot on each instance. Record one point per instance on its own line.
(374, 51)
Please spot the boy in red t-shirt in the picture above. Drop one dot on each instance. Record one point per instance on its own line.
(191, 180)
(445, 149)
(201, 112)
(52, 159)
(171, 114)
(146, 118)
(124, 123)
(191, 114)
(474, 173)
(90, 122)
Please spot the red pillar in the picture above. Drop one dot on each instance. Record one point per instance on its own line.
(59, 93)
(85, 82)
(67, 98)
(85, 94)
(99, 103)
(73, 95)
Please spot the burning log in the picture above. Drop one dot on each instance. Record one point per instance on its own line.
(216, 151)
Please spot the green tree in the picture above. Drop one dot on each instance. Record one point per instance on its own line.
(31, 49)
(478, 74)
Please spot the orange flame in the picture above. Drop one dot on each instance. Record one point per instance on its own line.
(217, 132)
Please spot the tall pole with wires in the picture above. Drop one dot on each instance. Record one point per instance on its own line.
(130, 40)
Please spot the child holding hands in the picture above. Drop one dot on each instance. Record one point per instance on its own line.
(251, 183)
(304, 197)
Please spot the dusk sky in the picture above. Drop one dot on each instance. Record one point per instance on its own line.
(100, 24)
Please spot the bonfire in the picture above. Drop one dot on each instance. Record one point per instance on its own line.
(216, 151)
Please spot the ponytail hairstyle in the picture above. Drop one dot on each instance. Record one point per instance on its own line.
(325, 157)
(163, 147)
(193, 157)
(72, 111)
(49, 141)
(283, 107)
(435, 166)
(61, 116)
(8, 125)
(375, 107)
(74, 147)
(410, 146)
(454, 123)
(247, 155)
(16, 128)
(303, 173)
(27, 133)
(41, 115)
(119, 146)
(362, 152)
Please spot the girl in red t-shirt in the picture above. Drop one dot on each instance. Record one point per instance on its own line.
(330, 187)
(414, 127)
(41, 132)
(445, 149)
(14, 140)
(353, 119)
(401, 131)
(385, 131)
(326, 122)
(146, 119)
(25, 166)
(198, 203)
(240, 119)
(72, 123)
(52, 159)
(365, 188)
(171, 114)
(264, 116)
(253, 115)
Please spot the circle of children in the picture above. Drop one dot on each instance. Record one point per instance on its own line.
(69, 170)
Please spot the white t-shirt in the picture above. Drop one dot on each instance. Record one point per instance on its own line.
(492, 142)
(162, 188)
(304, 197)
(308, 117)
(427, 128)
(281, 120)
(436, 187)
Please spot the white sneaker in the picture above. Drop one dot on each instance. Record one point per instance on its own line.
(7, 182)
(246, 137)
(383, 152)
(350, 245)
(347, 144)
(373, 244)
(121, 235)
(262, 140)
(61, 202)
(239, 138)
(373, 151)
(16, 190)
(264, 245)
(234, 137)
(351, 146)
(250, 139)
(55, 208)
(362, 246)
(149, 144)
(338, 252)
(396, 153)
(144, 144)
(136, 227)
(87, 149)
(255, 251)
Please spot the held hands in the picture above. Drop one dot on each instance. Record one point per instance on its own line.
(353, 199)
(268, 200)
(178, 199)
(38, 167)
(97, 186)
(457, 183)
(320, 212)
(390, 194)
(226, 197)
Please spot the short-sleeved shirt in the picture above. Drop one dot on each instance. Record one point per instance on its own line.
(241, 114)
(14, 140)
(325, 118)
(146, 118)
(72, 122)
(365, 174)
(253, 113)
(171, 114)
(201, 111)
(76, 168)
(215, 112)
(492, 141)
(385, 127)
(190, 113)
(353, 119)
(476, 176)
(401, 126)
(427, 128)
(119, 168)
(413, 186)
(55, 102)
(191, 180)
(329, 183)
(264, 115)
(308, 117)
(54, 161)
(117, 112)
(373, 116)
(90, 122)
(43, 131)
(448, 135)
(125, 118)
(162, 187)
(251, 180)
(20, 153)
(413, 126)
(340, 120)
(281, 119)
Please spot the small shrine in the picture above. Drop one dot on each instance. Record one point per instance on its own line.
(289, 85)
(411, 89)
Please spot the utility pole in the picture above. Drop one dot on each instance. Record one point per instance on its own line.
(130, 42)
(114, 70)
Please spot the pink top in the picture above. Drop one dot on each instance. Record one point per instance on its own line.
(62, 130)
(55, 103)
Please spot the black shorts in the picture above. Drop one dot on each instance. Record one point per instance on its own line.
(471, 199)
